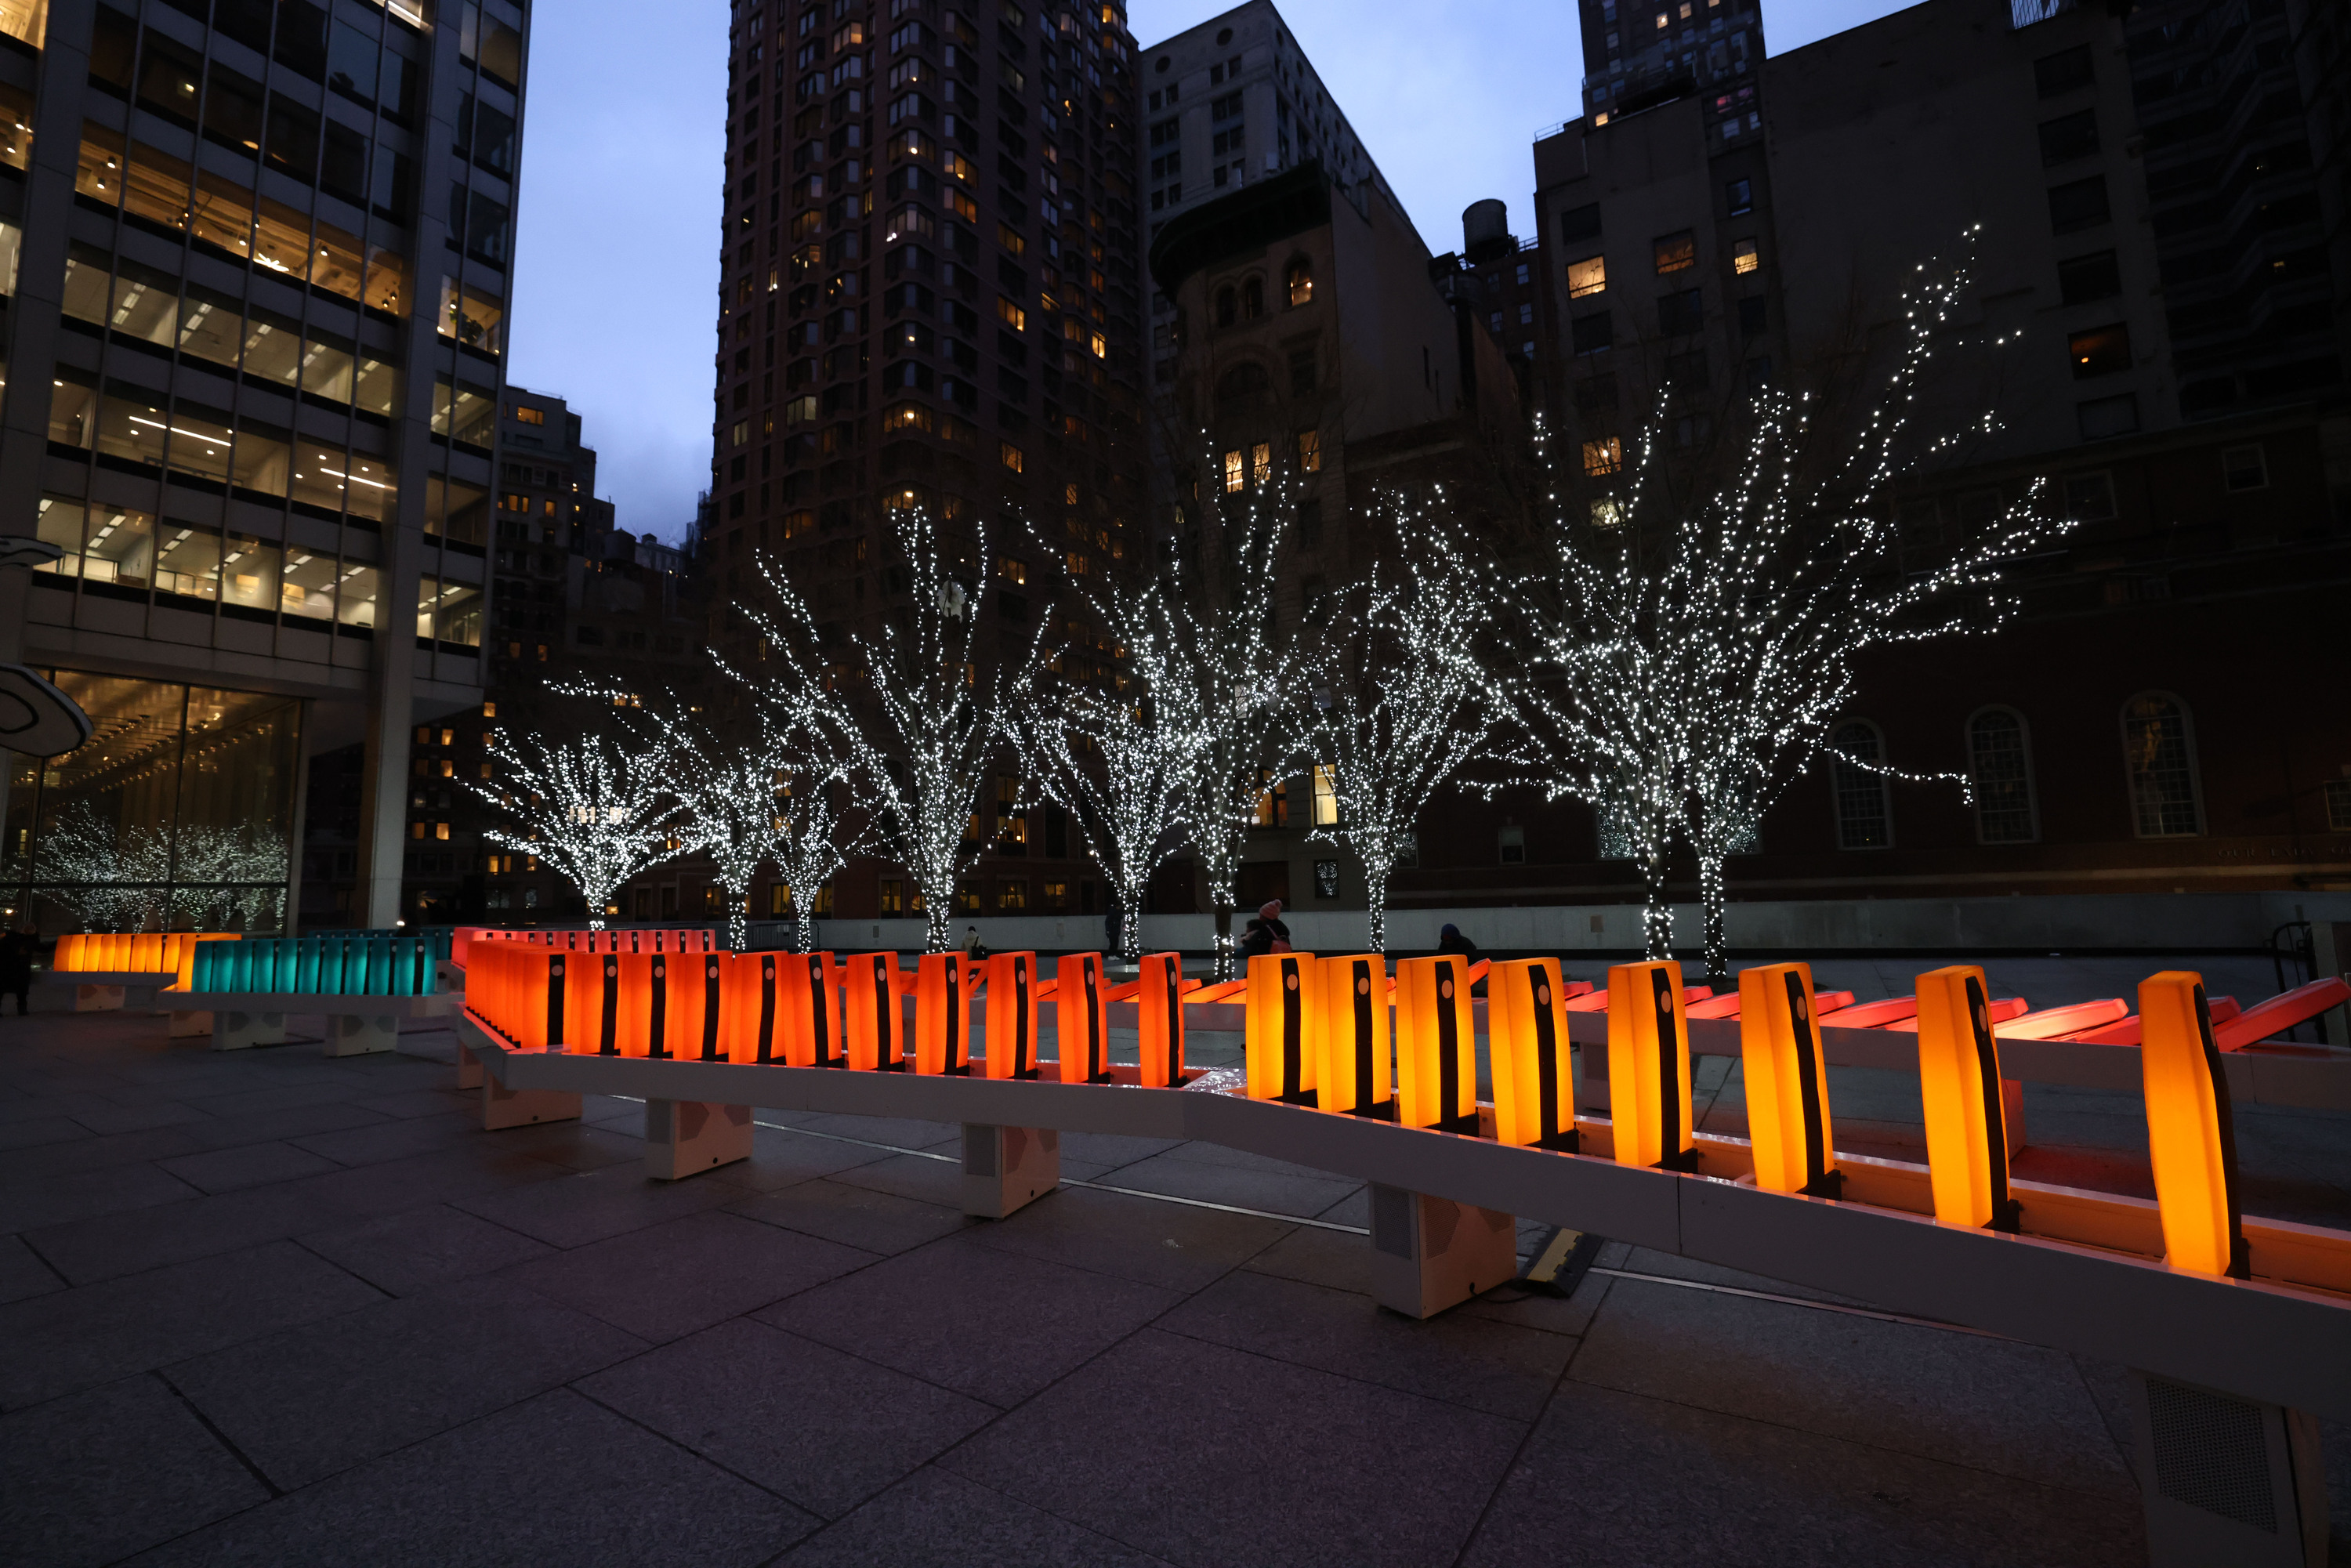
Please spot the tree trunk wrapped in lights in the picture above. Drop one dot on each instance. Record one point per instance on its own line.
(594, 810)
(1232, 678)
(1123, 762)
(1696, 639)
(911, 707)
(813, 835)
(1403, 701)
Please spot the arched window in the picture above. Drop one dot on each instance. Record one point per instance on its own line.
(1253, 298)
(2000, 765)
(1301, 278)
(2159, 759)
(1228, 308)
(1864, 816)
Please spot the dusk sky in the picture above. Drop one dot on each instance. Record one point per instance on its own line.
(618, 266)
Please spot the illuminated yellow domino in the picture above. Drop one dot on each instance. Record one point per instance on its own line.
(1280, 1027)
(1787, 1081)
(1958, 1082)
(1648, 1065)
(2191, 1136)
(1354, 1076)
(1436, 1045)
(1526, 1045)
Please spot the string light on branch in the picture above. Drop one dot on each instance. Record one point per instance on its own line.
(1403, 702)
(1692, 658)
(594, 812)
(909, 708)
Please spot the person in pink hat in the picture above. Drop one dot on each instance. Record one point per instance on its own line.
(1266, 934)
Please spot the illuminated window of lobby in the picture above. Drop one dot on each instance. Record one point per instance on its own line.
(175, 815)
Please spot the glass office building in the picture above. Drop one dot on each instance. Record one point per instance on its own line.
(256, 256)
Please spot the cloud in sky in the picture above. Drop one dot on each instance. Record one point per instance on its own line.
(617, 266)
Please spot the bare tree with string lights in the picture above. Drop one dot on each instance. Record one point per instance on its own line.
(816, 833)
(1231, 677)
(1699, 649)
(597, 812)
(1403, 699)
(1123, 761)
(913, 708)
(731, 815)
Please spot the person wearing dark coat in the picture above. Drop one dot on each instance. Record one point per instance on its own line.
(17, 949)
(1450, 940)
(1266, 934)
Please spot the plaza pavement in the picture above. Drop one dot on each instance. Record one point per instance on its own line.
(269, 1306)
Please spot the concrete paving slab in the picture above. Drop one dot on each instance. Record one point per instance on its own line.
(23, 1271)
(97, 1333)
(310, 1401)
(973, 1319)
(1611, 1478)
(1498, 1368)
(676, 1277)
(588, 1205)
(114, 1245)
(936, 1520)
(817, 1426)
(1989, 1404)
(247, 1164)
(97, 1476)
(1173, 1245)
(422, 1249)
(557, 1479)
(1205, 1455)
(876, 1221)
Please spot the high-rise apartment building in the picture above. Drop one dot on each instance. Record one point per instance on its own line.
(1232, 101)
(2234, 196)
(928, 298)
(257, 258)
(1638, 54)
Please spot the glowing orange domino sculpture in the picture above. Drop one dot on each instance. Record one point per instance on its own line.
(1159, 1019)
(756, 1011)
(1959, 1085)
(1436, 1045)
(1527, 1043)
(1279, 1043)
(1353, 1075)
(706, 1029)
(813, 1016)
(869, 989)
(1648, 1066)
(943, 1014)
(649, 1021)
(1012, 1014)
(2191, 1136)
(1082, 1030)
(1787, 1081)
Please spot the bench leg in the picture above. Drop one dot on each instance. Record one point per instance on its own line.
(684, 1137)
(1006, 1168)
(1431, 1253)
(469, 1068)
(187, 1026)
(502, 1108)
(360, 1034)
(2227, 1482)
(97, 999)
(240, 1031)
